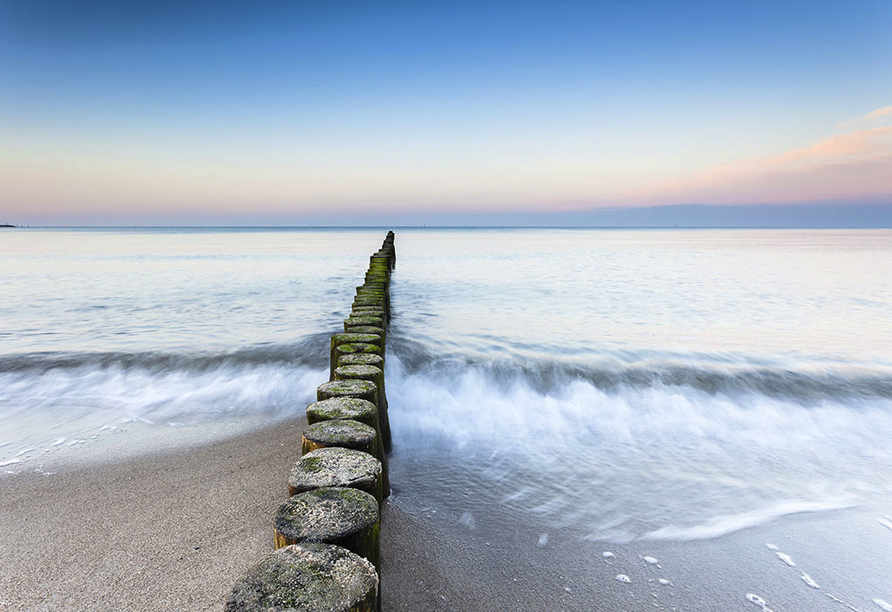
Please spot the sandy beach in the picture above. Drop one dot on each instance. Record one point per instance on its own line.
(173, 530)
(163, 531)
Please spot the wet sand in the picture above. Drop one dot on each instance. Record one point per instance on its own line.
(169, 530)
(172, 530)
(499, 566)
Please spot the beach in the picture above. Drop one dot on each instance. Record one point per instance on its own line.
(170, 530)
(582, 419)
(173, 530)
(534, 306)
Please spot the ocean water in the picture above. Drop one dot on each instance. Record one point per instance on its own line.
(614, 385)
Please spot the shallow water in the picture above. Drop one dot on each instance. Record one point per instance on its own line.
(656, 385)
(105, 330)
(613, 385)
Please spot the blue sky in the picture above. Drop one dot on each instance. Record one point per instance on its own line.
(231, 112)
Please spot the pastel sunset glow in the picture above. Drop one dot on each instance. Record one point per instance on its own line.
(246, 113)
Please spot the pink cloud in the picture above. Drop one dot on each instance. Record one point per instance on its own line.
(880, 115)
(853, 165)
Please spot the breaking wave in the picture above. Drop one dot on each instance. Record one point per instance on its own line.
(662, 451)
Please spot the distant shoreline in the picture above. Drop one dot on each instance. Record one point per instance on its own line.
(285, 228)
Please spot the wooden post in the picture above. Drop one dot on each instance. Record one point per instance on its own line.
(311, 577)
(376, 376)
(360, 410)
(341, 516)
(337, 467)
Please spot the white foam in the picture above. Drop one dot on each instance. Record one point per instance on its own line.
(607, 554)
(10, 462)
(80, 401)
(786, 559)
(664, 582)
(729, 523)
(651, 560)
(623, 578)
(756, 600)
(810, 581)
(467, 519)
(58, 441)
(543, 540)
(772, 547)
(885, 522)
(25, 451)
(721, 455)
(885, 605)
(517, 495)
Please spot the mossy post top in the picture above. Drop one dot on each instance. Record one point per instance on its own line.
(342, 432)
(351, 338)
(338, 408)
(357, 319)
(362, 329)
(326, 514)
(361, 359)
(358, 372)
(361, 389)
(308, 577)
(334, 467)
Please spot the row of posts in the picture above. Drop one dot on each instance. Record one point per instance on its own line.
(327, 534)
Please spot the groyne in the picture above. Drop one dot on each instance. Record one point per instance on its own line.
(327, 533)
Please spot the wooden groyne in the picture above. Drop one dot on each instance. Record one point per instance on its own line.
(327, 533)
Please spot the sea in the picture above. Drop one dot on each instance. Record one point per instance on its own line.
(607, 387)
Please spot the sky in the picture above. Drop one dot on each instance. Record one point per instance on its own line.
(167, 113)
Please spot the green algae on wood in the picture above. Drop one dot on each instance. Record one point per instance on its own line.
(361, 359)
(362, 389)
(352, 348)
(334, 515)
(356, 319)
(351, 338)
(347, 337)
(337, 467)
(375, 375)
(310, 577)
(342, 433)
(363, 329)
(335, 408)
(368, 311)
(363, 411)
(340, 408)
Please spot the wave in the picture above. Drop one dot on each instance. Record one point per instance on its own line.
(729, 523)
(310, 351)
(619, 451)
(641, 456)
(716, 378)
(72, 396)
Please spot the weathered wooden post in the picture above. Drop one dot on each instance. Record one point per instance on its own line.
(311, 577)
(338, 339)
(337, 467)
(354, 409)
(340, 516)
(374, 375)
(342, 433)
(340, 482)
